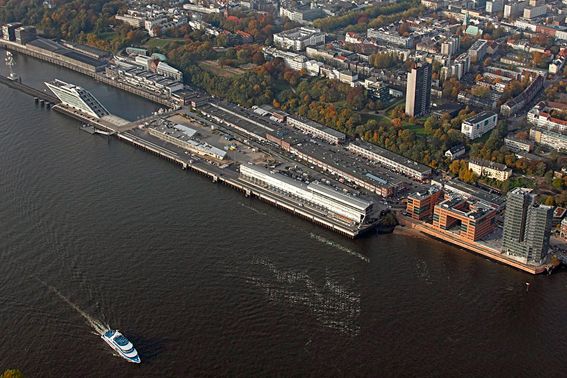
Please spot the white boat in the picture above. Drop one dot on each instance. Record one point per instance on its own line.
(121, 345)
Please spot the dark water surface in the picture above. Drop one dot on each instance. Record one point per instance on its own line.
(207, 282)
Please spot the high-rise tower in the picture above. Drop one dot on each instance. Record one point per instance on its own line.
(527, 227)
(418, 90)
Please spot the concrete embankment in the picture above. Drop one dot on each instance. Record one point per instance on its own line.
(418, 227)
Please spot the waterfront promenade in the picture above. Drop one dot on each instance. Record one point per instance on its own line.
(478, 248)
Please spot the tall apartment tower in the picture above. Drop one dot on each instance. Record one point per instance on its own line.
(527, 227)
(418, 90)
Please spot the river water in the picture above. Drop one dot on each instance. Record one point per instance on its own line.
(207, 282)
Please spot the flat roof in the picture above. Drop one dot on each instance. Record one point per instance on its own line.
(52, 46)
(473, 191)
(318, 126)
(340, 159)
(339, 197)
(393, 156)
(480, 117)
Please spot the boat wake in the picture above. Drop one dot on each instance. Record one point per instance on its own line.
(341, 248)
(98, 326)
(252, 209)
(332, 304)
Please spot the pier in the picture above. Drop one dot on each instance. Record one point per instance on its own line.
(17, 84)
(129, 132)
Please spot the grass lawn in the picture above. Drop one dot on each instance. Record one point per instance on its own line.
(107, 36)
(214, 67)
(379, 118)
(416, 128)
(394, 104)
(160, 43)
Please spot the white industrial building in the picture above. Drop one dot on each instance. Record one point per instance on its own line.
(339, 204)
(478, 125)
(182, 136)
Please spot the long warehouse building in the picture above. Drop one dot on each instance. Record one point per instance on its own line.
(390, 160)
(350, 208)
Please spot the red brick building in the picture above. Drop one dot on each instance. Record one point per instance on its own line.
(420, 205)
(472, 221)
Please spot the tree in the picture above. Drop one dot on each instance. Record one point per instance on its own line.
(549, 201)
(404, 29)
(258, 58)
(12, 373)
(480, 91)
(455, 167)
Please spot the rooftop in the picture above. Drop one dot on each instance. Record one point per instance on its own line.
(479, 117)
(394, 157)
(489, 164)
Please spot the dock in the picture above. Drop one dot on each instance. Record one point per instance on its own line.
(129, 132)
(17, 84)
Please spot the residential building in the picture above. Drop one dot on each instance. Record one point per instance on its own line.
(489, 102)
(563, 229)
(455, 152)
(535, 11)
(301, 14)
(527, 227)
(478, 50)
(518, 145)
(553, 139)
(517, 103)
(299, 38)
(450, 46)
(514, 9)
(418, 90)
(391, 36)
(494, 7)
(132, 20)
(490, 169)
(478, 125)
(541, 116)
(457, 68)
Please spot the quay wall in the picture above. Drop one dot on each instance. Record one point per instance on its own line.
(480, 249)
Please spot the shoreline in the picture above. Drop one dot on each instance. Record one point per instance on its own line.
(414, 229)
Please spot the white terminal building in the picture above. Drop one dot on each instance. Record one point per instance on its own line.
(339, 205)
(478, 125)
(77, 98)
